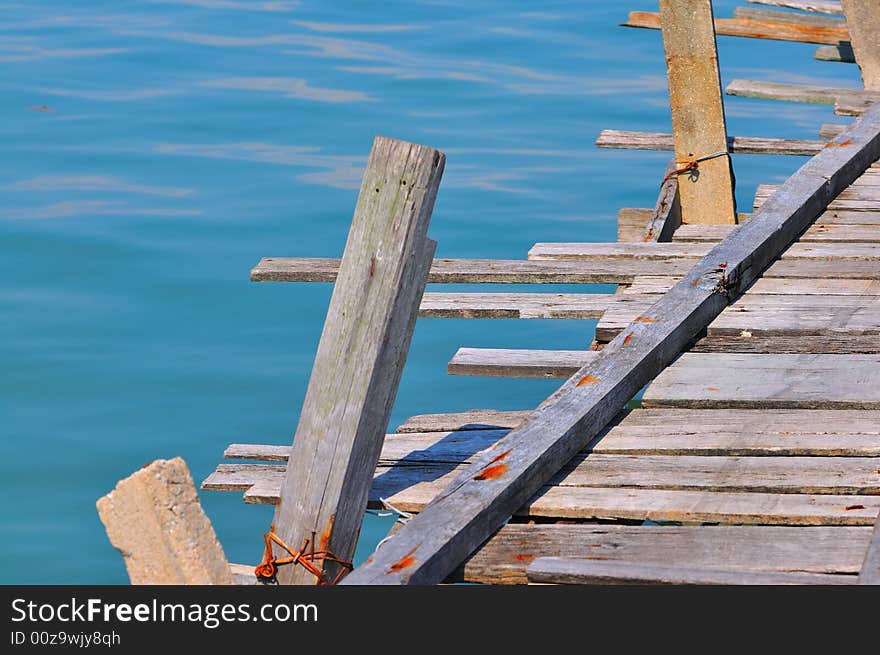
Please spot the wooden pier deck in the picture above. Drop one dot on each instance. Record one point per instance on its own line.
(753, 458)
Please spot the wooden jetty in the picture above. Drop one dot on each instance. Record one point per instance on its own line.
(753, 454)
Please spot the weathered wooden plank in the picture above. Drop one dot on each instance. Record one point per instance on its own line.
(819, 233)
(840, 343)
(666, 251)
(852, 105)
(649, 432)
(515, 305)
(698, 125)
(817, 6)
(798, 92)
(842, 52)
(760, 490)
(361, 354)
(504, 558)
(772, 286)
(505, 362)
(767, 315)
(631, 223)
(830, 131)
(816, 381)
(475, 419)
(864, 18)
(571, 570)
(751, 28)
(870, 571)
(851, 200)
(613, 270)
(155, 520)
(666, 215)
(488, 491)
(632, 140)
(776, 16)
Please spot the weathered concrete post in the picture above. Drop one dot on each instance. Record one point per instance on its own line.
(863, 22)
(360, 356)
(156, 521)
(705, 173)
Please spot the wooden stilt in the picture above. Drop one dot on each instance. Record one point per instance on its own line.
(863, 18)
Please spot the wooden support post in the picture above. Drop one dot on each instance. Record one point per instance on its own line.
(156, 521)
(361, 355)
(870, 573)
(488, 491)
(698, 124)
(863, 19)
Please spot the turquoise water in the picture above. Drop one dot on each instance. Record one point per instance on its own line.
(153, 151)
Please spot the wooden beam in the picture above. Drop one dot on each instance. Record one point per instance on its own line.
(773, 286)
(431, 545)
(816, 6)
(756, 29)
(870, 571)
(570, 570)
(475, 419)
(822, 233)
(361, 354)
(633, 140)
(698, 125)
(864, 18)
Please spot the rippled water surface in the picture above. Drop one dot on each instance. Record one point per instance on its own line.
(154, 150)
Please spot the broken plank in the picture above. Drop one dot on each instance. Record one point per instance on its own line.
(632, 140)
(817, 6)
(487, 492)
(757, 29)
(853, 105)
(842, 52)
(810, 381)
(571, 570)
(830, 130)
(797, 92)
(514, 305)
(504, 557)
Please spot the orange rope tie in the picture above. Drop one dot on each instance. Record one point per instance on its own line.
(267, 570)
(691, 164)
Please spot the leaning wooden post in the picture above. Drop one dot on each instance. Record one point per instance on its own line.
(361, 355)
(863, 21)
(705, 172)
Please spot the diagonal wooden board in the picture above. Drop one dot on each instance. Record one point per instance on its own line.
(483, 497)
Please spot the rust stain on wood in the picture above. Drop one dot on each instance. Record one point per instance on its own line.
(644, 319)
(403, 563)
(587, 379)
(491, 472)
(328, 532)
